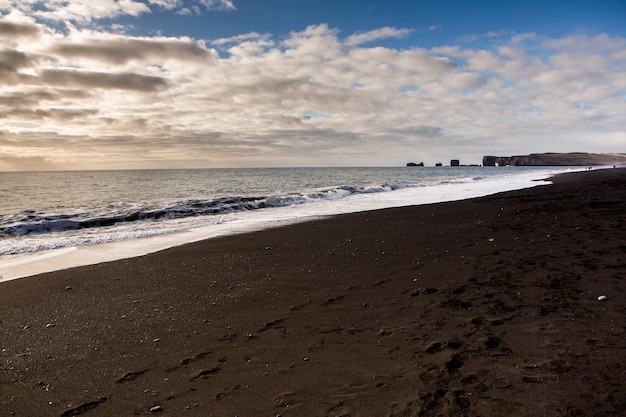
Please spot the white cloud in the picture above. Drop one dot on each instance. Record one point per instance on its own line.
(167, 4)
(87, 11)
(316, 41)
(218, 4)
(374, 35)
(588, 44)
(86, 98)
(245, 37)
(81, 10)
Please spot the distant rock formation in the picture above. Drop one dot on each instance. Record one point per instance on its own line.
(557, 159)
(413, 164)
(455, 163)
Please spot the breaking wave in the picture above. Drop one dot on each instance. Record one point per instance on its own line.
(32, 223)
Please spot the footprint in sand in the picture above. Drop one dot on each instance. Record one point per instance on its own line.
(205, 373)
(227, 391)
(439, 347)
(83, 408)
(333, 300)
(439, 402)
(287, 399)
(201, 355)
(455, 362)
(130, 376)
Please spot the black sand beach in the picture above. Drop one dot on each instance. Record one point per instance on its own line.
(482, 307)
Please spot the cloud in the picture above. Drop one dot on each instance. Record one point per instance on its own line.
(80, 10)
(487, 35)
(119, 50)
(244, 37)
(167, 4)
(463, 80)
(90, 79)
(25, 163)
(374, 35)
(588, 44)
(12, 60)
(88, 99)
(218, 4)
(87, 11)
(56, 114)
(12, 30)
(246, 44)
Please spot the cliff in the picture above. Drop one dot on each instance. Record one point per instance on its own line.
(557, 159)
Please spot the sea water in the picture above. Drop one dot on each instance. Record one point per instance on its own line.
(46, 216)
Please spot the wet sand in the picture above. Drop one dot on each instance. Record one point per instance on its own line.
(483, 307)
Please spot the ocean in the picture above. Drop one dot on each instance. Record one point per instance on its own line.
(45, 214)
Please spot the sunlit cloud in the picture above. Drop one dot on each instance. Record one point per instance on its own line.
(79, 10)
(86, 98)
(86, 11)
(374, 35)
(167, 4)
(245, 37)
(218, 4)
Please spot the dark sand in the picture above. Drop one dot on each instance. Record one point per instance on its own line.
(484, 307)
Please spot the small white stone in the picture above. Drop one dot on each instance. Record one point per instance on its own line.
(156, 409)
(602, 298)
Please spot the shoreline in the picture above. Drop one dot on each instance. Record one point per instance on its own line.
(35, 263)
(485, 306)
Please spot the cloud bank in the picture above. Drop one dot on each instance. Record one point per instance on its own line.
(78, 97)
(83, 11)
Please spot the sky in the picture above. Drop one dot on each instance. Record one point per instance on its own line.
(143, 84)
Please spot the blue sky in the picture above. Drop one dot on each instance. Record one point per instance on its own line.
(111, 84)
(434, 23)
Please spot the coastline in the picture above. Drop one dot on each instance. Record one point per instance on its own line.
(64, 256)
(485, 306)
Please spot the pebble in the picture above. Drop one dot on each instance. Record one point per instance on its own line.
(156, 409)
(602, 298)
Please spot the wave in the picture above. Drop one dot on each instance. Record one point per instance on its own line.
(33, 223)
